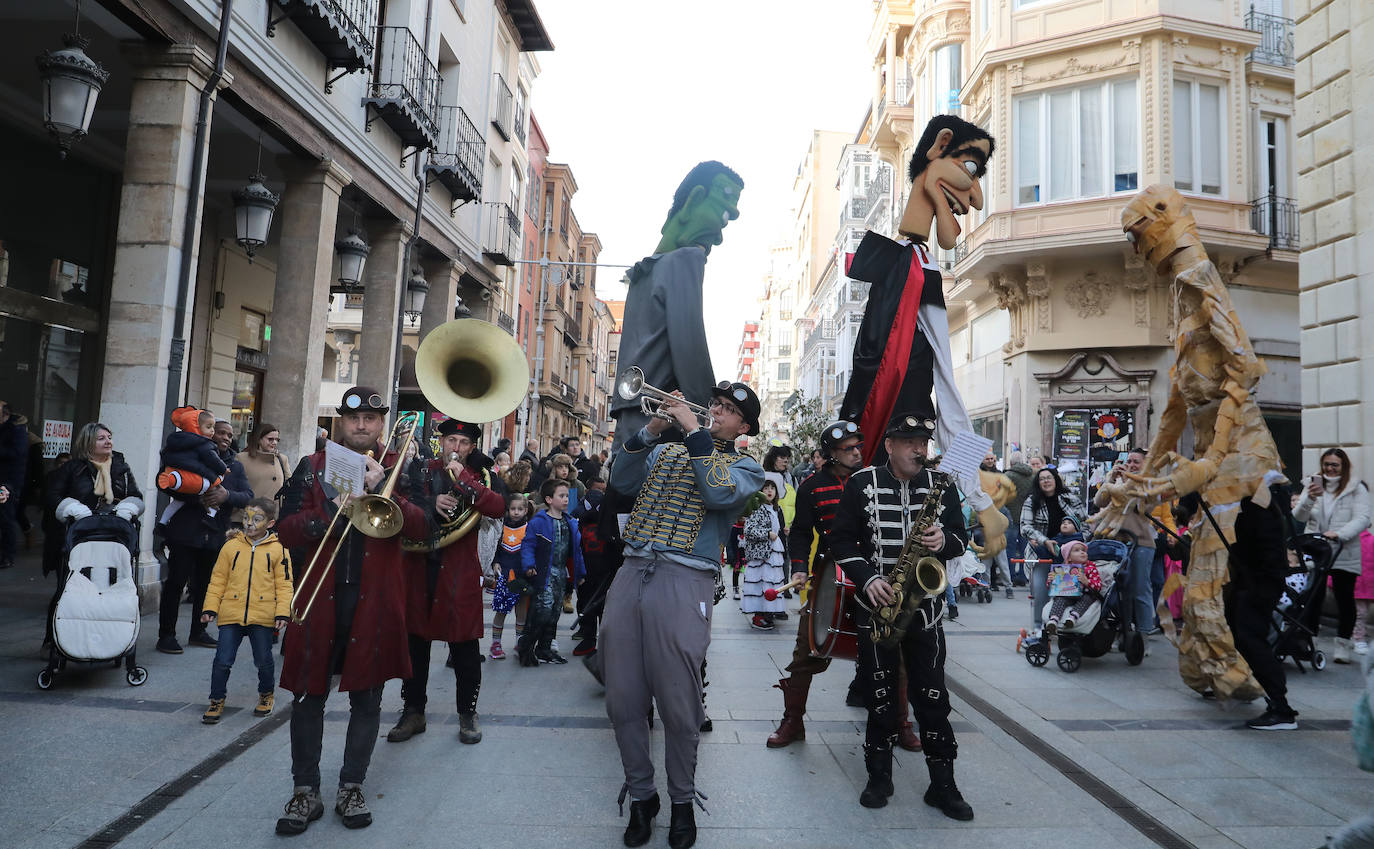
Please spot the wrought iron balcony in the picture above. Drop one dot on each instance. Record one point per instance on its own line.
(502, 245)
(340, 29)
(1277, 218)
(520, 122)
(1276, 38)
(405, 88)
(501, 109)
(823, 332)
(456, 160)
(506, 322)
(858, 207)
(960, 250)
(878, 188)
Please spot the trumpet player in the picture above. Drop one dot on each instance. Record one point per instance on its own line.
(355, 628)
(871, 525)
(444, 594)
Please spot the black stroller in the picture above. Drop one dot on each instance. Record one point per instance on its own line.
(1297, 616)
(1093, 635)
(97, 618)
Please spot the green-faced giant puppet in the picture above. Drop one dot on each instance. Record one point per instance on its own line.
(902, 357)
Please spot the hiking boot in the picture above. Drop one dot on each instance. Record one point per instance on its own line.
(410, 724)
(169, 645)
(907, 737)
(265, 703)
(468, 732)
(879, 788)
(791, 729)
(304, 808)
(204, 640)
(351, 804)
(1275, 719)
(214, 713)
(497, 653)
(682, 828)
(641, 826)
(943, 793)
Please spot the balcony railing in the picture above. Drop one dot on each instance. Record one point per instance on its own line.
(1276, 38)
(1277, 218)
(878, 188)
(506, 322)
(960, 250)
(520, 122)
(502, 245)
(501, 109)
(456, 160)
(340, 29)
(858, 207)
(823, 332)
(405, 88)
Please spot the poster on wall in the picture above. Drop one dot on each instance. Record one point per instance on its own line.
(1071, 435)
(57, 438)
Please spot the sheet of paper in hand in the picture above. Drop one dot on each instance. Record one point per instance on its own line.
(962, 457)
(1065, 581)
(344, 469)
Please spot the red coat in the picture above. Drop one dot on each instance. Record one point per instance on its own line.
(454, 613)
(378, 649)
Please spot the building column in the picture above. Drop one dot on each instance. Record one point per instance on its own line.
(442, 276)
(149, 242)
(383, 285)
(300, 303)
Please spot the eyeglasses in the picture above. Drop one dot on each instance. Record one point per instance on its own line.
(726, 406)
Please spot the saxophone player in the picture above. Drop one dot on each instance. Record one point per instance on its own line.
(876, 514)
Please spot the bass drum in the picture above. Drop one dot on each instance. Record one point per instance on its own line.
(833, 632)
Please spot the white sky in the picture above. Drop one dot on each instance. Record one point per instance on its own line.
(636, 92)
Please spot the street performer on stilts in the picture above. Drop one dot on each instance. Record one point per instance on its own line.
(356, 627)
(817, 497)
(902, 355)
(877, 513)
(657, 624)
(444, 598)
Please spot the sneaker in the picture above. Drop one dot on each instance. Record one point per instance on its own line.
(550, 656)
(735, 593)
(351, 804)
(204, 640)
(1361, 647)
(758, 623)
(265, 703)
(1272, 720)
(214, 713)
(468, 731)
(304, 808)
(169, 645)
(497, 653)
(1010, 594)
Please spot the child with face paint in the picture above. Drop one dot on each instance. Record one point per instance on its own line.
(250, 594)
(508, 569)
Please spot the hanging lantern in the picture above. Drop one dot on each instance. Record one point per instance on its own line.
(253, 207)
(353, 250)
(71, 84)
(417, 287)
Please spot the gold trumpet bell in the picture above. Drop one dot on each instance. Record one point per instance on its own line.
(472, 370)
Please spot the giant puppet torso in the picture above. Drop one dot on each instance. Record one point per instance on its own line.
(444, 587)
(664, 333)
(377, 650)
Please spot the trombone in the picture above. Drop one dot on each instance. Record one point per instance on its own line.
(651, 399)
(372, 514)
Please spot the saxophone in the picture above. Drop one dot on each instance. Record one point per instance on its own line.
(916, 569)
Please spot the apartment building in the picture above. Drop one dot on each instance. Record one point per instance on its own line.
(747, 354)
(1055, 323)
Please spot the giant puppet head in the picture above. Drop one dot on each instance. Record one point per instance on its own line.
(706, 201)
(1162, 229)
(950, 158)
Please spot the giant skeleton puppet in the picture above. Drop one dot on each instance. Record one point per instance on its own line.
(902, 352)
(1213, 381)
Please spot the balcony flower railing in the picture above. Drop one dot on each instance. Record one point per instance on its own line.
(1276, 38)
(1277, 218)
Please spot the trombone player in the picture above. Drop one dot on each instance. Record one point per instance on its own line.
(355, 628)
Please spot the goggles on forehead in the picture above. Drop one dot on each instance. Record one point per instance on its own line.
(353, 402)
(840, 431)
(912, 422)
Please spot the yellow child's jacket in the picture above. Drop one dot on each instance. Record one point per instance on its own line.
(251, 584)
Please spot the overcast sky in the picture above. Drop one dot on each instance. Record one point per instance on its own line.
(635, 93)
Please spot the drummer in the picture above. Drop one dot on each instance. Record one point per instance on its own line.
(817, 497)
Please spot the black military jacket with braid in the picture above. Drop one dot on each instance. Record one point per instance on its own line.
(875, 513)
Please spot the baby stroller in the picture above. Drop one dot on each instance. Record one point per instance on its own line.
(969, 576)
(1297, 616)
(1093, 634)
(97, 619)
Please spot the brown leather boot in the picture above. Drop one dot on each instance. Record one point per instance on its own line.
(794, 692)
(906, 737)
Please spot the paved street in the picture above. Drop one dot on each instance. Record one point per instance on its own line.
(94, 752)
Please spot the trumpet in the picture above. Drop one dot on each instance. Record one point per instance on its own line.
(651, 399)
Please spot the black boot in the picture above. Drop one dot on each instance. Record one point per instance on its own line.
(879, 787)
(641, 826)
(943, 793)
(682, 829)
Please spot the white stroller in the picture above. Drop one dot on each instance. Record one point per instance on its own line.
(97, 618)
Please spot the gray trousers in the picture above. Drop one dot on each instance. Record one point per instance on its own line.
(654, 637)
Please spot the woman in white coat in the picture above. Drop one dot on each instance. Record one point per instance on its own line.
(1336, 505)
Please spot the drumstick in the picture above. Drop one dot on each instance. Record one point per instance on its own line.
(772, 594)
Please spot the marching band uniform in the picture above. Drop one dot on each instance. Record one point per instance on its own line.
(356, 628)
(871, 525)
(444, 598)
(657, 623)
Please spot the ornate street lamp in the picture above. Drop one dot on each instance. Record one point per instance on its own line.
(253, 207)
(417, 287)
(71, 84)
(353, 250)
